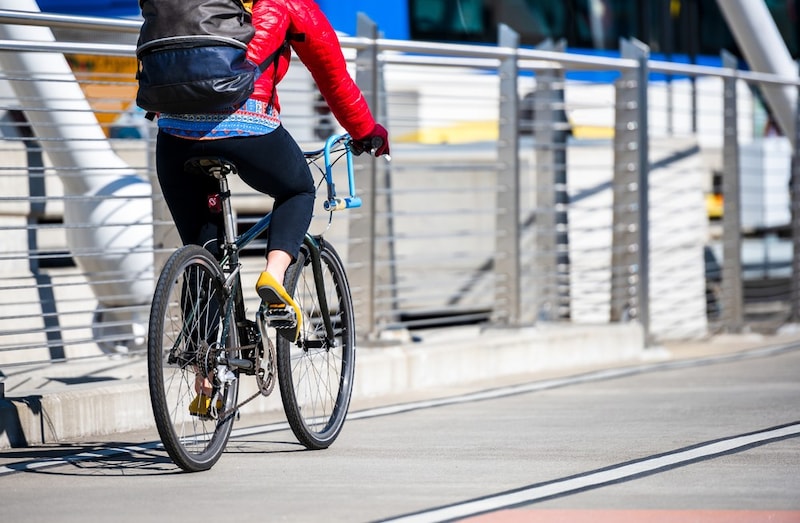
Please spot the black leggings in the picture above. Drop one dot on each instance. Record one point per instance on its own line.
(272, 164)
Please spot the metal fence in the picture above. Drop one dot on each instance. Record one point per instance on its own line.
(527, 186)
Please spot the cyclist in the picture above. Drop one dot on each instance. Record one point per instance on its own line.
(268, 158)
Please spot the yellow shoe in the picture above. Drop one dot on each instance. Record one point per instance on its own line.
(200, 406)
(275, 296)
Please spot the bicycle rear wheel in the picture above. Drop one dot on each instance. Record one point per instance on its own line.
(187, 335)
(314, 375)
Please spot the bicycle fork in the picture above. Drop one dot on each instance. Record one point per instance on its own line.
(319, 282)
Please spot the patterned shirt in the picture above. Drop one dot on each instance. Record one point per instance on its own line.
(253, 118)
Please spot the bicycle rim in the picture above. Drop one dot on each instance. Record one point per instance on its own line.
(186, 332)
(316, 380)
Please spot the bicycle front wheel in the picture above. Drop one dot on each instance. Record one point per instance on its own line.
(187, 336)
(315, 374)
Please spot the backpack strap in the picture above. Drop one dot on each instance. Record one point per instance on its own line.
(273, 58)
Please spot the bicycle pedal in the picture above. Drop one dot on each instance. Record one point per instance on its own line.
(201, 407)
(281, 317)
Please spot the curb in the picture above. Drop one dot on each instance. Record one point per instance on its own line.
(446, 358)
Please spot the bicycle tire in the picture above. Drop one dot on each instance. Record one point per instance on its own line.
(188, 309)
(315, 380)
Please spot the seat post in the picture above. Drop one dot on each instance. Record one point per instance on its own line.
(227, 210)
(219, 168)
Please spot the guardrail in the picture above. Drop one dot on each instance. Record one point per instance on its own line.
(517, 195)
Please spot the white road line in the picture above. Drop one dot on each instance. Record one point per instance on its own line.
(596, 479)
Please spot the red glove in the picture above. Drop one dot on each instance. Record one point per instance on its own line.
(376, 140)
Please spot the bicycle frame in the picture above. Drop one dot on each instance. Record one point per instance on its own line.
(332, 203)
(233, 244)
(201, 339)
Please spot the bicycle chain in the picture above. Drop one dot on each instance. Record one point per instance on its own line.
(265, 386)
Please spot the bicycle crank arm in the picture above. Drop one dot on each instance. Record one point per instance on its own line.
(240, 363)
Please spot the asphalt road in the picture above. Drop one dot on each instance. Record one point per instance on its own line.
(709, 439)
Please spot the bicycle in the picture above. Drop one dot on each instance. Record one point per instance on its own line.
(199, 327)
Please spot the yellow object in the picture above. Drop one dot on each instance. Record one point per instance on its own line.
(274, 295)
(201, 404)
(487, 131)
(108, 82)
(675, 8)
(465, 132)
(714, 205)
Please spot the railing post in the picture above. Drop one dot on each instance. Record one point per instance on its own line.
(732, 299)
(630, 237)
(361, 253)
(552, 286)
(507, 261)
(794, 194)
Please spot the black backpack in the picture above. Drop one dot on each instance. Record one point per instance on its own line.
(192, 56)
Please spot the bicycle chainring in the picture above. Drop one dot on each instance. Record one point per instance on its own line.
(266, 370)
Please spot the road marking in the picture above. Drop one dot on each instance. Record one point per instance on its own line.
(606, 476)
(637, 516)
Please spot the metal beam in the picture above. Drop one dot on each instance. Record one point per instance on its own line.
(765, 51)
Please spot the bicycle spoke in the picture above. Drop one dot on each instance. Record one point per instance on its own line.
(315, 374)
(187, 334)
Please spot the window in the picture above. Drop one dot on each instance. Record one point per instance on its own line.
(672, 27)
(448, 20)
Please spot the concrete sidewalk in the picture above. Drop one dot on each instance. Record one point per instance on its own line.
(78, 400)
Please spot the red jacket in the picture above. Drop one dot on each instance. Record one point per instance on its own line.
(319, 50)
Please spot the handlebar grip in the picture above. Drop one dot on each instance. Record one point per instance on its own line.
(368, 145)
(375, 144)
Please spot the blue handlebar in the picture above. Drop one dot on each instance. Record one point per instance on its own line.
(335, 203)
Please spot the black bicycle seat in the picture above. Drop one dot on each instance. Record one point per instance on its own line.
(210, 166)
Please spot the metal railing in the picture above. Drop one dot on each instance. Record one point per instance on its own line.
(527, 186)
